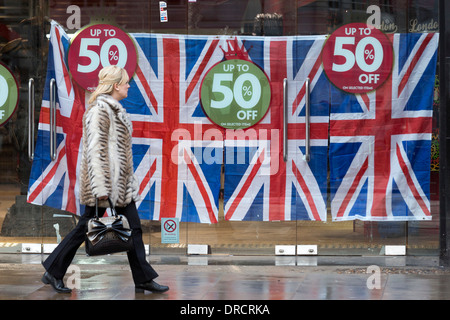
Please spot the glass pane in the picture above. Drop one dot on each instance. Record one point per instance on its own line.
(133, 18)
(250, 211)
(253, 205)
(423, 236)
(371, 237)
(23, 49)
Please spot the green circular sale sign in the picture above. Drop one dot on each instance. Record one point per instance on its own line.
(235, 94)
(9, 94)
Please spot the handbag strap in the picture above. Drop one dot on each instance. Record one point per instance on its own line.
(96, 208)
(113, 209)
(111, 205)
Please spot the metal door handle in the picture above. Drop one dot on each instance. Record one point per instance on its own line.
(307, 156)
(31, 119)
(52, 119)
(285, 119)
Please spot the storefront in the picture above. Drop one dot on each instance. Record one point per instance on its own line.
(260, 127)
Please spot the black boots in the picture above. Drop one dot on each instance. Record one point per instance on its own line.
(150, 286)
(57, 284)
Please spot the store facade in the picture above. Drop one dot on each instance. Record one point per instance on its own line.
(260, 127)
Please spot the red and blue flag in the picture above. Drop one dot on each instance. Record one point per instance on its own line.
(259, 183)
(375, 147)
(380, 141)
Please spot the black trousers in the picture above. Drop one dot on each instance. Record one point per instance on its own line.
(60, 259)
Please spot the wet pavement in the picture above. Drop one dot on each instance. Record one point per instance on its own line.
(217, 278)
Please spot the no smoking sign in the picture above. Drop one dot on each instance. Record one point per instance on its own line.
(357, 58)
(170, 232)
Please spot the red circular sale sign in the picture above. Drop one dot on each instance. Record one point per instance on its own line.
(98, 46)
(357, 58)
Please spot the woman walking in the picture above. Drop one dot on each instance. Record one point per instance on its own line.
(106, 172)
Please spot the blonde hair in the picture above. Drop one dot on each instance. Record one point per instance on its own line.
(107, 77)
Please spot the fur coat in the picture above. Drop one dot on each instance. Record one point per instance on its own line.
(107, 159)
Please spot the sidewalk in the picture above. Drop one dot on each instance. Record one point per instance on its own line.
(234, 278)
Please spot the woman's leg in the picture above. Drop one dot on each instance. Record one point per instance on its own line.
(60, 259)
(141, 270)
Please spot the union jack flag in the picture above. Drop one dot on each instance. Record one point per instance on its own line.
(178, 153)
(259, 184)
(177, 150)
(169, 131)
(380, 142)
(54, 182)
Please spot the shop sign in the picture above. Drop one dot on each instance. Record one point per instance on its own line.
(357, 58)
(9, 94)
(235, 94)
(98, 46)
(163, 17)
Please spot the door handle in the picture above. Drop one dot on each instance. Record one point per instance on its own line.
(52, 119)
(307, 155)
(31, 119)
(285, 120)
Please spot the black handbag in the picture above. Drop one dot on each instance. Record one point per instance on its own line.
(107, 235)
